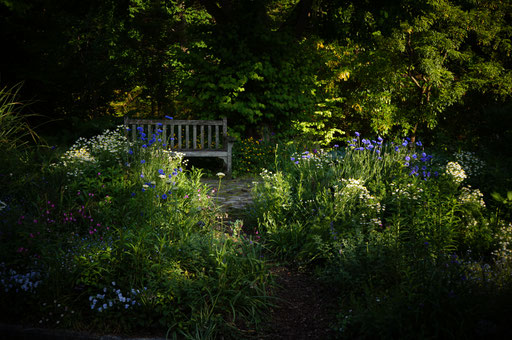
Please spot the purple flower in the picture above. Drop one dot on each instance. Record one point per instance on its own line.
(407, 158)
(405, 143)
(336, 146)
(168, 117)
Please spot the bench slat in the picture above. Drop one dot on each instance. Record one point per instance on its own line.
(179, 136)
(216, 137)
(187, 137)
(171, 122)
(209, 137)
(202, 136)
(194, 137)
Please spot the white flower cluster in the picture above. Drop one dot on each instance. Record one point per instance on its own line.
(454, 170)
(474, 196)
(354, 188)
(504, 237)
(470, 162)
(26, 282)
(113, 142)
(409, 191)
(318, 158)
(267, 175)
(110, 144)
(105, 303)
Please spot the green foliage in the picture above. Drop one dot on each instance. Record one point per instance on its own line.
(408, 242)
(250, 156)
(124, 239)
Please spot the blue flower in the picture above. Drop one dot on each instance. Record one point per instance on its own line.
(142, 161)
(159, 131)
(405, 143)
(407, 158)
(161, 172)
(377, 151)
(144, 146)
(414, 156)
(159, 124)
(292, 158)
(396, 148)
(296, 162)
(141, 175)
(164, 196)
(406, 163)
(336, 146)
(418, 143)
(168, 117)
(140, 129)
(357, 134)
(130, 152)
(133, 194)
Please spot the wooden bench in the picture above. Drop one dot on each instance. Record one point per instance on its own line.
(194, 138)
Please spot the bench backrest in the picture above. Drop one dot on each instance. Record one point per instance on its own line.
(181, 134)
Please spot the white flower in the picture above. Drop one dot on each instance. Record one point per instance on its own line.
(454, 170)
(220, 174)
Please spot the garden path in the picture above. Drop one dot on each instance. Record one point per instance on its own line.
(234, 196)
(305, 306)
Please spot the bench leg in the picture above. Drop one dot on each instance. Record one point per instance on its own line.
(227, 166)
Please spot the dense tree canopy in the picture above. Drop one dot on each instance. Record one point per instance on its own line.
(318, 67)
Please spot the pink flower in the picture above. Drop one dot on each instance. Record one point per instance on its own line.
(186, 196)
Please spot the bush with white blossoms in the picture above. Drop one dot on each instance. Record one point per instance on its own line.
(110, 146)
(470, 162)
(456, 172)
(354, 195)
(471, 196)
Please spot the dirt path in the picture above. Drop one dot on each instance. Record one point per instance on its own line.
(305, 306)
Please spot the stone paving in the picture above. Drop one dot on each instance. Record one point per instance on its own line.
(235, 194)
